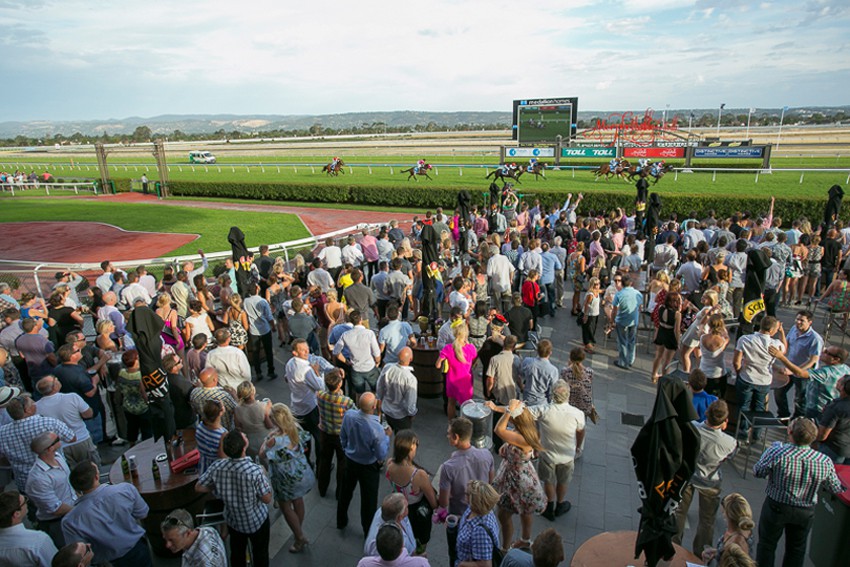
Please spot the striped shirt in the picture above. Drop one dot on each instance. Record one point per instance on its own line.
(795, 474)
(332, 408)
(208, 441)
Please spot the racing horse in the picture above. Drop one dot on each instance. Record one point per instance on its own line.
(334, 170)
(417, 170)
(655, 173)
(537, 170)
(621, 172)
(499, 174)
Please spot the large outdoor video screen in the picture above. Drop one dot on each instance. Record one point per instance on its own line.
(541, 121)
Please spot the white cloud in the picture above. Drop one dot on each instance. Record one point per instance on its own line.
(159, 57)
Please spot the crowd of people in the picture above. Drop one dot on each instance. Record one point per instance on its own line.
(185, 350)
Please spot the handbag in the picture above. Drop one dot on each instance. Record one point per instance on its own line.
(594, 415)
(498, 554)
(188, 460)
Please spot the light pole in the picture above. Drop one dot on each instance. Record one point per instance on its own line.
(719, 114)
(749, 115)
(781, 120)
(690, 121)
(664, 120)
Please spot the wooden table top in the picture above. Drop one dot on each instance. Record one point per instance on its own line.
(145, 452)
(617, 549)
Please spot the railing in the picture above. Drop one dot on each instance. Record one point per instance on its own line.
(76, 187)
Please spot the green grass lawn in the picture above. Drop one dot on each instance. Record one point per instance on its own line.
(780, 183)
(212, 225)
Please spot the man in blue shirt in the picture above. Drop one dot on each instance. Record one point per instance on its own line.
(106, 516)
(260, 321)
(365, 443)
(804, 349)
(551, 264)
(395, 335)
(625, 316)
(539, 375)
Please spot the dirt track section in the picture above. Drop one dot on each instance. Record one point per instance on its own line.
(79, 242)
(317, 221)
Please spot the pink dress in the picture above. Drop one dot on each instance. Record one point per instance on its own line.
(459, 377)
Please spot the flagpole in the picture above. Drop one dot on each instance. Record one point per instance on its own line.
(749, 116)
(719, 114)
(781, 120)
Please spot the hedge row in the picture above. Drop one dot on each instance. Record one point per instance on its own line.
(432, 197)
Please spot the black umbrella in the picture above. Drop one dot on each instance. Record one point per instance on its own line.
(241, 259)
(146, 327)
(833, 206)
(463, 200)
(664, 456)
(642, 187)
(429, 239)
(757, 265)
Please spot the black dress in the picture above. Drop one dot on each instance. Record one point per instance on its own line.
(666, 336)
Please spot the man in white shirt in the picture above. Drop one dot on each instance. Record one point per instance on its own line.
(666, 255)
(304, 375)
(331, 255)
(191, 271)
(320, 277)
(147, 281)
(500, 272)
(71, 410)
(352, 254)
(396, 392)
(531, 259)
(691, 273)
(105, 280)
(231, 363)
(562, 435)
(365, 354)
(754, 365)
(134, 291)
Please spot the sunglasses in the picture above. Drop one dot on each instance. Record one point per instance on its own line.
(173, 522)
(24, 503)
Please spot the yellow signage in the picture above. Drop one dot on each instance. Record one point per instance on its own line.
(752, 309)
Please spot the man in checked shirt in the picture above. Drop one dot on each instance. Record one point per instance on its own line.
(795, 472)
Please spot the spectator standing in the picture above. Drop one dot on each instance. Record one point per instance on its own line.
(457, 358)
(75, 379)
(625, 316)
(365, 354)
(804, 351)
(260, 323)
(821, 388)
(230, 362)
(332, 404)
(393, 510)
(366, 445)
(539, 375)
(715, 448)
(413, 484)
(107, 516)
(389, 544)
(19, 545)
(395, 335)
(48, 486)
(331, 255)
(834, 427)
(369, 247)
(71, 410)
(210, 390)
(753, 363)
(795, 474)
(359, 297)
(304, 375)
(396, 392)
(477, 530)
(243, 487)
(201, 546)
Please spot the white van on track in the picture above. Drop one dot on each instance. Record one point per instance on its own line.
(196, 156)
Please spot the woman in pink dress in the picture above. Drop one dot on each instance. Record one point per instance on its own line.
(459, 357)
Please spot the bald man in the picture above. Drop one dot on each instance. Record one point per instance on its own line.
(365, 443)
(396, 392)
(210, 390)
(110, 311)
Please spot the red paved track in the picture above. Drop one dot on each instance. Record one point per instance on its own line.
(72, 243)
(79, 242)
(317, 221)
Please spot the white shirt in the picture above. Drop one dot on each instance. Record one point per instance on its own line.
(231, 364)
(321, 278)
(457, 299)
(132, 292)
(352, 254)
(363, 346)
(500, 271)
(67, 409)
(531, 260)
(757, 364)
(104, 282)
(148, 282)
(396, 388)
(22, 547)
(558, 425)
(331, 256)
(303, 385)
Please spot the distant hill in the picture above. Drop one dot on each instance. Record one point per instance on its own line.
(209, 123)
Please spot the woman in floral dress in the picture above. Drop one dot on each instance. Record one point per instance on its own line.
(517, 480)
(291, 475)
(580, 379)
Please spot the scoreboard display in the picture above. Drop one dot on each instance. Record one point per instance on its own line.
(541, 121)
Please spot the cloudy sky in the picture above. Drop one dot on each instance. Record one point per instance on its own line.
(98, 59)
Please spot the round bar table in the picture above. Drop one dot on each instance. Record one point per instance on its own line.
(617, 549)
(164, 495)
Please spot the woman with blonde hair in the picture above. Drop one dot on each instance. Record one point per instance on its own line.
(236, 321)
(290, 474)
(521, 490)
(478, 530)
(661, 282)
(712, 362)
(576, 264)
(459, 357)
(252, 417)
(103, 341)
(739, 529)
(699, 327)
